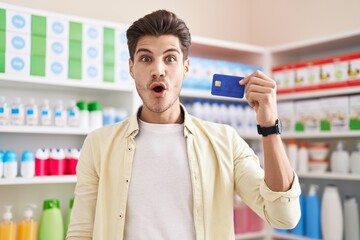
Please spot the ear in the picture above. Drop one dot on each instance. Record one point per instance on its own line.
(131, 65)
(186, 67)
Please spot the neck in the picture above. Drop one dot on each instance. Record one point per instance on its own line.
(172, 115)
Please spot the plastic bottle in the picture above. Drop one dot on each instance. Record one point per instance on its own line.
(355, 160)
(73, 115)
(292, 150)
(17, 112)
(10, 164)
(27, 164)
(56, 162)
(340, 159)
(197, 109)
(4, 111)
(41, 161)
(96, 118)
(120, 114)
(71, 157)
(232, 115)
(241, 216)
(303, 158)
(312, 213)
(27, 228)
(108, 116)
(51, 222)
(68, 216)
(31, 113)
(7, 226)
(45, 114)
(84, 114)
(1, 163)
(351, 211)
(207, 113)
(299, 229)
(332, 223)
(59, 114)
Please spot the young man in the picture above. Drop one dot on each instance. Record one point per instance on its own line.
(164, 174)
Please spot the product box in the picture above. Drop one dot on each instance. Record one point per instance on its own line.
(122, 77)
(335, 114)
(307, 115)
(120, 37)
(92, 53)
(17, 64)
(56, 68)
(57, 48)
(354, 102)
(333, 73)
(353, 69)
(285, 78)
(286, 111)
(306, 76)
(18, 43)
(18, 22)
(92, 72)
(93, 34)
(57, 28)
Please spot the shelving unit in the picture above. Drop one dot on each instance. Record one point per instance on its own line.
(39, 180)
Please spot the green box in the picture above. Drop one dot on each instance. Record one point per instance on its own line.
(75, 50)
(37, 65)
(2, 62)
(38, 45)
(75, 31)
(75, 69)
(2, 41)
(109, 36)
(38, 25)
(109, 54)
(109, 72)
(2, 19)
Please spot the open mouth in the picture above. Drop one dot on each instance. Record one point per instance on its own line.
(158, 87)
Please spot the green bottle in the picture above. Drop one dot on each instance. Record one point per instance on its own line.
(51, 221)
(67, 220)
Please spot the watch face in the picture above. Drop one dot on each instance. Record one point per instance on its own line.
(279, 126)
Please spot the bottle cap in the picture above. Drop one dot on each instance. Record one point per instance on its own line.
(82, 105)
(10, 156)
(313, 189)
(71, 203)
(292, 141)
(29, 211)
(28, 156)
(7, 214)
(95, 106)
(51, 203)
(42, 153)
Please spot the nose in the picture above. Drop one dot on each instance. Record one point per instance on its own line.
(158, 69)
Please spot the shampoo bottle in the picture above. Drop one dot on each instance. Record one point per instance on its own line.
(68, 216)
(339, 161)
(7, 226)
(299, 229)
(303, 158)
(355, 160)
(351, 211)
(312, 214)
(28, 226)
(51, 221)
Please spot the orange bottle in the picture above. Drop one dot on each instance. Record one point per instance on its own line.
(7, 226)
(27, 228)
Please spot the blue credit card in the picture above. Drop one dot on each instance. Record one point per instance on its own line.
(227, 86)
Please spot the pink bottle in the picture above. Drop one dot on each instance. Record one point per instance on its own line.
(241, 216)
(255, 222)
(72, 157)
(57, 161)
(41, 162)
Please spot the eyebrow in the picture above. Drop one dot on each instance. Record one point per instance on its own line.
(166, 51)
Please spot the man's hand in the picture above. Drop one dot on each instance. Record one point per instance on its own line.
(261, 95)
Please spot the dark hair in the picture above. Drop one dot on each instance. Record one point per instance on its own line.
(160, 22)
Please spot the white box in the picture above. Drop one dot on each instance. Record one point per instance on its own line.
(308, 114)
(335, 112)
(354, 69)
(285, 79)
(17, 64)
(57, 28)
(122, 56)
(93, 33)
(18, 43)
(286, 112)
(122, 76)
(57, 68)
(120, 37)
(354, 108)
(92, 72)
(57, 48)
(92, 53)
(18, 22)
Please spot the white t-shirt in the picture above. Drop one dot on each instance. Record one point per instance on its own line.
(160, 201)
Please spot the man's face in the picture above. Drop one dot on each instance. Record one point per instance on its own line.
(158, 70)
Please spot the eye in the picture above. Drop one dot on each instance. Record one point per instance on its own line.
(170, 59)
(145, 59)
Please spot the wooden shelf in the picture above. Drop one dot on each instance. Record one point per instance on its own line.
(38, 180)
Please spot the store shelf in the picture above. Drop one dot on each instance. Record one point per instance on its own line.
(254, 235)
(288, 237)
(319, 93)
(329, 175)
(314, 135)
(206, 94)
(38, 180)
(43, 130)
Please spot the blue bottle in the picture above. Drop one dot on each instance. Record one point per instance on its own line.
(313, 214)
(299, 229)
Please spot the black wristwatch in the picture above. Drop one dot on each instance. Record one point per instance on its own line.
(265, 131)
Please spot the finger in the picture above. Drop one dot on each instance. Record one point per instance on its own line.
(259, 89)
(262, 82)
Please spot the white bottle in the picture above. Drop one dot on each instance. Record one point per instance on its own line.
(96, 115)
(59, 114)
(223, 113)
(215, 108)
(351, 211)
(240, 115)
(340, 159)
(73, 117)
(207, 113)
(10, 164)
(45, 114)
(4, 112)
(232, 115)
(292, 151)
(84, 114)
(31, 113)
(197, 109)
(332, 223)
(355, 161)
(17, 112)
(303, 158)
(27, 168)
